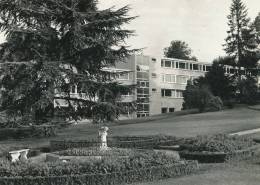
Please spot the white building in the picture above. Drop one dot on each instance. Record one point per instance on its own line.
(160, 82)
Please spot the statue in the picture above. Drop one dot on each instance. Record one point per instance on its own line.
(102, 133)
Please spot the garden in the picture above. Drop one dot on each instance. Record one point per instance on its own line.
(123, 159)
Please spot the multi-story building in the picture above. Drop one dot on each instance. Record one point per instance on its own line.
(160, 82)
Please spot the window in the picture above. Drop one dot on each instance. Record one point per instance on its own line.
(200, 67)
(154, 59)
(208, 68)
(162, 63)
(182, 79)
(143, 91)
(124, 76)
(179, 94)
(191, 67)
(166, 93)
(177, 65)
(162, 77)
(168, 78)
(204, 68)
(154, 75)
(182, 65)
(164, 110)
(143, 75)
(154, 90)
(171, 109)
(168, 63)
(173, 64)
(195, 67)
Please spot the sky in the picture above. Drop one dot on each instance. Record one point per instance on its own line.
(200, 23)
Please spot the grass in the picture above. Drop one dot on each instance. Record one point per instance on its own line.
(234, 173)
(226, 121)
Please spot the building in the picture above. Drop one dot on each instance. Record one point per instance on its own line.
(160, 82)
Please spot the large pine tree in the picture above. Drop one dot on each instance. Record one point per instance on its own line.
(241, 40)
(53, 45)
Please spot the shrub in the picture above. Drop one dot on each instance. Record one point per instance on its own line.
(116, 178)
(215, 104)
(143, 142)
(200, 97)
(95, 151)
(28, 132)
(218, 143)
(135, 161)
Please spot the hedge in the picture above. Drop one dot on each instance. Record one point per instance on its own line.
(141, 175)
(140, 142)
(218, 157)
(27, 132)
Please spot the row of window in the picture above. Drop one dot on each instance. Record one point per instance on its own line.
(142, 84)
(123, 76)
(232, 70)
(166, 109)
(184, 65)
(172, 93)
(180, 79)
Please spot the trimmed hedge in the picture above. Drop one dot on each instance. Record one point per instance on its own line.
(133, 176)
(218, 157)
(27, 132)
(217, 143)
(95, 151)
(140, 142)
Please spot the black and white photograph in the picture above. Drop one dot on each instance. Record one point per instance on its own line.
(129, 92)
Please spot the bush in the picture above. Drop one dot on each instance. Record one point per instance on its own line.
(215, 104)
(218, 143)
(143, 142)
(200, 97)
(135, 161)
(95, 151)
(27, 132)
(116, 178)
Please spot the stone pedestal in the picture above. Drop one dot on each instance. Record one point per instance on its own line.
(102, 133)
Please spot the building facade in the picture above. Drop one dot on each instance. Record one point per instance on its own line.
(159, 82)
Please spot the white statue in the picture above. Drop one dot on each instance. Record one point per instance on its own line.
(102, 133)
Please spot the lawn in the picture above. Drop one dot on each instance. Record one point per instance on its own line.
(234, 173)
(226, 121)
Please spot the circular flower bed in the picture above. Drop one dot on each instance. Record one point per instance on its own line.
(217, 148)
(134, 161)
(217, 143)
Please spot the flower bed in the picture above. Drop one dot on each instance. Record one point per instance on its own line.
(217, 148)
(95, 151)
(137, 167)
(217, 143)
(115, 178)
(141, 142)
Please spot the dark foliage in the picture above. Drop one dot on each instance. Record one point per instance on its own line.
(179, 49)
(54, 45)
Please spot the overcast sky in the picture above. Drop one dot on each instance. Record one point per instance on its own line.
(200, 23)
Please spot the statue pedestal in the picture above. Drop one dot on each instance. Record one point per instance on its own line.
(102, 133)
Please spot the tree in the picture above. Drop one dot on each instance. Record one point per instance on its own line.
(198, 95)
(256, 25)
(179, 49)
(249, 90)
(53, 45)
(241, 40)
(220, 84)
